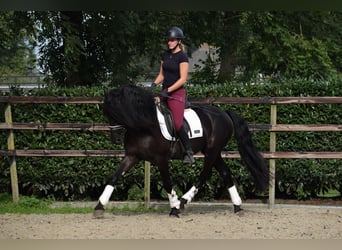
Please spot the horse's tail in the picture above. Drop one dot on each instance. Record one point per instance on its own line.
(250, 155)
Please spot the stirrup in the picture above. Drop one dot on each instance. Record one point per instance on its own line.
(189, 158)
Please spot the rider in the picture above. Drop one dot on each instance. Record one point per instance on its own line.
(173, 73)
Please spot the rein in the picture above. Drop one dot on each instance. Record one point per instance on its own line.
(192, 105)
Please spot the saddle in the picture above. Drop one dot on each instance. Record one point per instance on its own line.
(191, 122)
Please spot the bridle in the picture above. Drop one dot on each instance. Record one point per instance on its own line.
(115, 127)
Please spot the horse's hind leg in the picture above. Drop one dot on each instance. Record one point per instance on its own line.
(127, 163)
(204, 175)
(225, 173)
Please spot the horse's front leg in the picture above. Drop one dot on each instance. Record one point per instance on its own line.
(174, 203)
(127, 163)
(172, 195)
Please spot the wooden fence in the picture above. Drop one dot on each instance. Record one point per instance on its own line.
(272, 127)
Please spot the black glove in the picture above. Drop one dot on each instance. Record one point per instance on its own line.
(153, 86)
(164, 93)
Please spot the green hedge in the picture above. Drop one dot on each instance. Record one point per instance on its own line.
(77, 178)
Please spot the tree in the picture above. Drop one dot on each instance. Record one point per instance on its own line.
(274, 43)
(288, 44)
(17, 44)
(61, 42)
(220, 29)
(83, 48)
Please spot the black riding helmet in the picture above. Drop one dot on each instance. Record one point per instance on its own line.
(174, 33)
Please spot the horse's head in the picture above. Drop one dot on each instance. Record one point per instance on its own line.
(130, 106)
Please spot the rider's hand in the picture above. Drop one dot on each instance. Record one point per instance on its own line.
(164, 93)
(153, 86)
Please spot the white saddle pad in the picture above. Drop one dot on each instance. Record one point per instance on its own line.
(190, 116)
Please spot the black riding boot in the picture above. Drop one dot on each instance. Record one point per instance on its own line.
(189, 155)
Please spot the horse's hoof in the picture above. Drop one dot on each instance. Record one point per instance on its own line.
(182, 203)
(174, 212)
(98, 213)
(237, 209)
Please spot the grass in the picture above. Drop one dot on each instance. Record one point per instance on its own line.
(33, 205)
(332, 193)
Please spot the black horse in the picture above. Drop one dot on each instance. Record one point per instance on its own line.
(134, 109)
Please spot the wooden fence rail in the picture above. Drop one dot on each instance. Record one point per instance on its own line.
(272, 128)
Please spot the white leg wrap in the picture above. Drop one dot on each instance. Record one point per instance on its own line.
(105, 196)
(190, 194)
(234, 196)
(173, 198)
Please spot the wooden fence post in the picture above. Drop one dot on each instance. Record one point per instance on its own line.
(10, 145)
(147, 190)
(272, 161)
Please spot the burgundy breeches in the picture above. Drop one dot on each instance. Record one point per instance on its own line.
(176, 104)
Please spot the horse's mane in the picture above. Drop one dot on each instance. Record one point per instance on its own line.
(130, 106)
